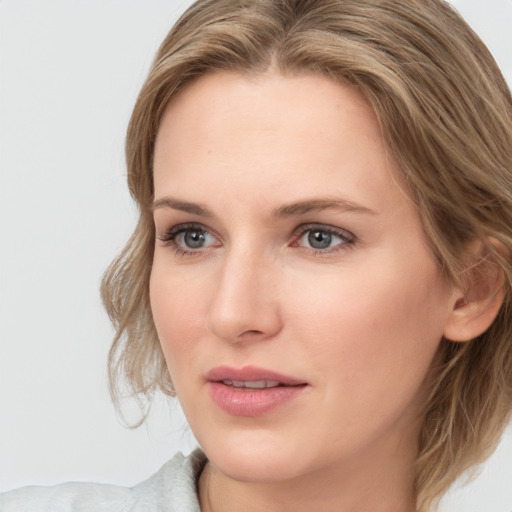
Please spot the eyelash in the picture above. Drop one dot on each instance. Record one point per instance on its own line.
(170, 236)
(348, 239)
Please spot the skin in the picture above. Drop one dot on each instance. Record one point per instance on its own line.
(359, 321)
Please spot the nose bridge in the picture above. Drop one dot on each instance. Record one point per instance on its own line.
(245, 305)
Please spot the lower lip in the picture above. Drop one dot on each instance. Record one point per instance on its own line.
(251, 402)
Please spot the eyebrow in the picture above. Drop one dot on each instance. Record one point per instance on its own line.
(287, 210)
(315, 205)
(184, 206)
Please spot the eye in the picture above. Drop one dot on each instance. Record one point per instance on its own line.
(319, 239)
(323, 238)
(194, 238)
(188, 238)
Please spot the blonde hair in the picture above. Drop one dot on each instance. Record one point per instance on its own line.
(446, 114)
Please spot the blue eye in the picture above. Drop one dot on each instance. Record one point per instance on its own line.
(188, 238)
(194, 238)
(319, 239)
(322, 238)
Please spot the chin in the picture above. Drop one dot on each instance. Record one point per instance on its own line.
(258, 460)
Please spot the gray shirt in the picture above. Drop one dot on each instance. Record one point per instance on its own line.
(172, 489)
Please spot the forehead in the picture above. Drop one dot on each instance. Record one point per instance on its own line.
(273, 130)
(217, 97)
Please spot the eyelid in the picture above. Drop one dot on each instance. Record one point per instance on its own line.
(169, 236)
(348, 238)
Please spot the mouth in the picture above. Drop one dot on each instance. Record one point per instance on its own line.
(251, 391)
(252, 384)
(251, 377)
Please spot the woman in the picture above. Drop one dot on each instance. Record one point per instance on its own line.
(322, 261)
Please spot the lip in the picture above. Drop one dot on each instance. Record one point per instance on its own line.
(249, 401)
(250, 373)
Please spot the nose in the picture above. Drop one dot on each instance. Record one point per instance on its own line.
(245, 306)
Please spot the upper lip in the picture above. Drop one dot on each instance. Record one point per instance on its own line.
(250, 373)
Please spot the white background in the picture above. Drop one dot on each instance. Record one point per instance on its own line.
(69, 74)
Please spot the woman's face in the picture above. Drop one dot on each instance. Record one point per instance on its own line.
(296, 300)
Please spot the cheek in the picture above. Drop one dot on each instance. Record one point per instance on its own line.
(364, 329)
(178, 315)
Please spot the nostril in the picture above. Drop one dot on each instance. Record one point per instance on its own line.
(251, 333)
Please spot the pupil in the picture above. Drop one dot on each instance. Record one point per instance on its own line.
(194, 239)
(319, 239)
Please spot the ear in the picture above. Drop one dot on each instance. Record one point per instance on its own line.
(480, 296)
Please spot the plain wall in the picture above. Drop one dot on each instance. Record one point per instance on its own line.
(69, 75)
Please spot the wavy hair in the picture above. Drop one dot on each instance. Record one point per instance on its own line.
(446, 114)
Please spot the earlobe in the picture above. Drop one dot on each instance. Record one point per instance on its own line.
(478, 301)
